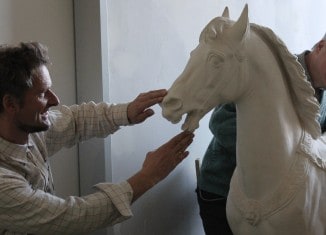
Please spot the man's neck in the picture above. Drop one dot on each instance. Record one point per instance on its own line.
(11, 133)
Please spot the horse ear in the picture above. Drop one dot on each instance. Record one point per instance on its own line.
(239, 29)
(226, 13)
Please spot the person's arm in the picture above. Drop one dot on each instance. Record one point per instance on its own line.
(159, 163)
(223, 124)
(77, 123)
(27, 210)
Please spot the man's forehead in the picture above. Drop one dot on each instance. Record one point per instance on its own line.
(41, 77)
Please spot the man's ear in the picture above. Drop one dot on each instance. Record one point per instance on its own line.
(320, 45)
(10, 103)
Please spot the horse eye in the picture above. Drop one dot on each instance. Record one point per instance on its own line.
(215, 60)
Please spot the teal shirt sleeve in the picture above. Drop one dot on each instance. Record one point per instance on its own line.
(322, 117)
(223, 126)
(219, 160)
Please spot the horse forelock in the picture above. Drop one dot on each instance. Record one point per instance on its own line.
(215, 29)
(302, 94)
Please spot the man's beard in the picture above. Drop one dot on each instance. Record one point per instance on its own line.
(32, 129)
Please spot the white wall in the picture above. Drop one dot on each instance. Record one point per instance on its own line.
(149, 44)
(51, 23)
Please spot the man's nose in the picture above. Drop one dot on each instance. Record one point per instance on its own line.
(53, 99)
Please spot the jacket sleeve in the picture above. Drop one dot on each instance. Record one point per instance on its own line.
(223, 126)
(26, 210)
(70, 125)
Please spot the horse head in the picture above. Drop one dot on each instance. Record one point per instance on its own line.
(214, 74)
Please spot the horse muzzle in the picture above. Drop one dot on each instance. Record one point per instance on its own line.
(171, 109)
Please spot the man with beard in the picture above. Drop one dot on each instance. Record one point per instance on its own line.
(30, 132)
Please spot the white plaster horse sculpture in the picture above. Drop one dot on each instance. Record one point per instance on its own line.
(279, 185)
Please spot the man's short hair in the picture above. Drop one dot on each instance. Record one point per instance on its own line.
(17, 64)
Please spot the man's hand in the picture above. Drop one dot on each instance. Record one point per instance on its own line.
(138, 110)
(159, 163)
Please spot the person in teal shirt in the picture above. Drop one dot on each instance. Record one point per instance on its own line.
(219, 160)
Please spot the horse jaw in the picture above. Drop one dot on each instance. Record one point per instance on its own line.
(191, 123)
(173, 109)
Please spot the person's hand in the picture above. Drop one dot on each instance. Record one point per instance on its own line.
(138, 110)
(160, 162)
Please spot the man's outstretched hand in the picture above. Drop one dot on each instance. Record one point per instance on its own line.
(139, 109)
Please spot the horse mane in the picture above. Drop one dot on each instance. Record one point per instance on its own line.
(300, 89)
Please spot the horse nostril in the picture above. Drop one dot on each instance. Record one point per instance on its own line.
(172, 103)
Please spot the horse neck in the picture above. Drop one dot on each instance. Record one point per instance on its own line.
(268, 128)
